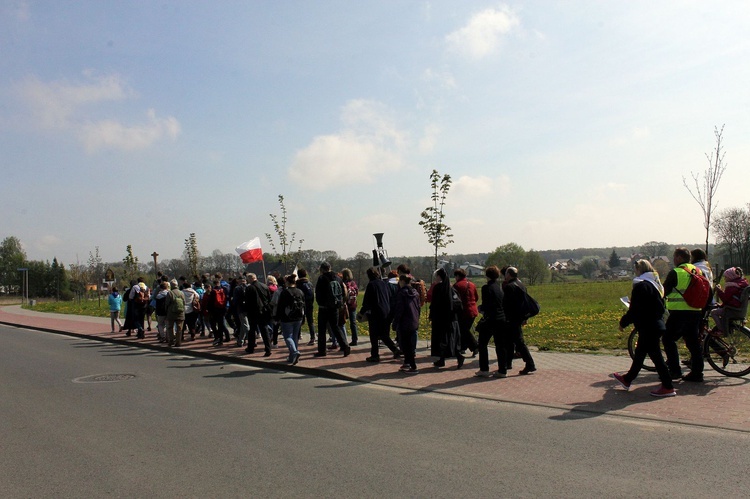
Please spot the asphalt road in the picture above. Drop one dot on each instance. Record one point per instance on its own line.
(186, 427)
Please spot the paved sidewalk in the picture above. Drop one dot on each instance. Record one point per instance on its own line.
(577, 383)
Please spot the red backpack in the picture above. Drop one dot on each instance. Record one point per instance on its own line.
(220, 299)
(698, 291)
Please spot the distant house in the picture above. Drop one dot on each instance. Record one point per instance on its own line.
(472, 270)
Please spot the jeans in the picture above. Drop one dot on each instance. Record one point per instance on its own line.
(310, 322)
(290, 331)
(161, 327)
(353, 325)
(685, 324)
(114, 317)
(217, 324)
(244, 330)
(408, 341)
(261, 324)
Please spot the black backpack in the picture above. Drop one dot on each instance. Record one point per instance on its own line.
(296, 310)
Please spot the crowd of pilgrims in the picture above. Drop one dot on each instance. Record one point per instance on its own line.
(257, 311)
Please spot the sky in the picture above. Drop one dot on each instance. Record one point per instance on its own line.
(562, 124)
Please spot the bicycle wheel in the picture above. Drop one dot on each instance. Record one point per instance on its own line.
(632, 343)
(729, 354)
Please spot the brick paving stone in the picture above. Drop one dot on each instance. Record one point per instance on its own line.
(577, 383)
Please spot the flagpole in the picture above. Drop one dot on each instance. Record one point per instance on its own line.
(265, 277)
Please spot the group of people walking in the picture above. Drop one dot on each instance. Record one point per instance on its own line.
(260, 311)
(650, 300)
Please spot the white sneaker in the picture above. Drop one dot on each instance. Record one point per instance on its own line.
(482, 374)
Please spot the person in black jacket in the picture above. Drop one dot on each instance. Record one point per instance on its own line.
(493, 326)
(376, 306)
(329, 307)
(646, 312)
(514, 297)
(445, 333)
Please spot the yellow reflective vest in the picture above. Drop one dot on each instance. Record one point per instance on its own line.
(675, 301)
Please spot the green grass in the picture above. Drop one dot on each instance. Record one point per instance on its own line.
(575, 316)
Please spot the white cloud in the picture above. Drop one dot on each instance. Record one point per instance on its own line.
(369, 143)
(112, 134)
(467, 190)
(444, 79)
(483, 33)
(64, 106)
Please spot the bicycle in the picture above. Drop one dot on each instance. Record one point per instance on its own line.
(727, 352)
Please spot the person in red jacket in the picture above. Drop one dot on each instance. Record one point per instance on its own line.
(467, 291)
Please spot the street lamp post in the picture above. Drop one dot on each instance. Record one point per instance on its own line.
(24, 285)
(156, 265)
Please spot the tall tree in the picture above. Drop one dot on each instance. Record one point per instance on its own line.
(131, 264)
(286, 240)
(191, 254)
(535, 270)
(652, 249)
(707, 183)
(433, 217)
(507, 254)
(12, 257)
(588, 267)
(614, 259)
(732, 228)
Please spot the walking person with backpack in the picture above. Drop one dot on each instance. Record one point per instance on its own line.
(290, 311)
(684, 317)
(216, 307)
(303, 284)
(351, 303)
(329, 293)
(175, 304)
(514, 303)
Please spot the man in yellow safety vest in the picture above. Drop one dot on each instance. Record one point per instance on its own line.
(684, 320)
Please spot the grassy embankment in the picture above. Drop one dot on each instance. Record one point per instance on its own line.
(575, 317)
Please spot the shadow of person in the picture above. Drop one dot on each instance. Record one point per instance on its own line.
(614, 399)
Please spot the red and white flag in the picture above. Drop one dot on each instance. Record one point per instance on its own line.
(250, 251)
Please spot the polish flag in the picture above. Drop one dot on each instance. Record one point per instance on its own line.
(250, 251)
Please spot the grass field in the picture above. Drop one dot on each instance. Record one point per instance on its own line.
(574, 317)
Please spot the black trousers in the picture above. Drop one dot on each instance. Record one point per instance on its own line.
(515, 343)
(468, 342)
(263, 326)
(683, 324)
(648, 344)
(493, 330)
(309, 320)
(379, 331)
(328, 318)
